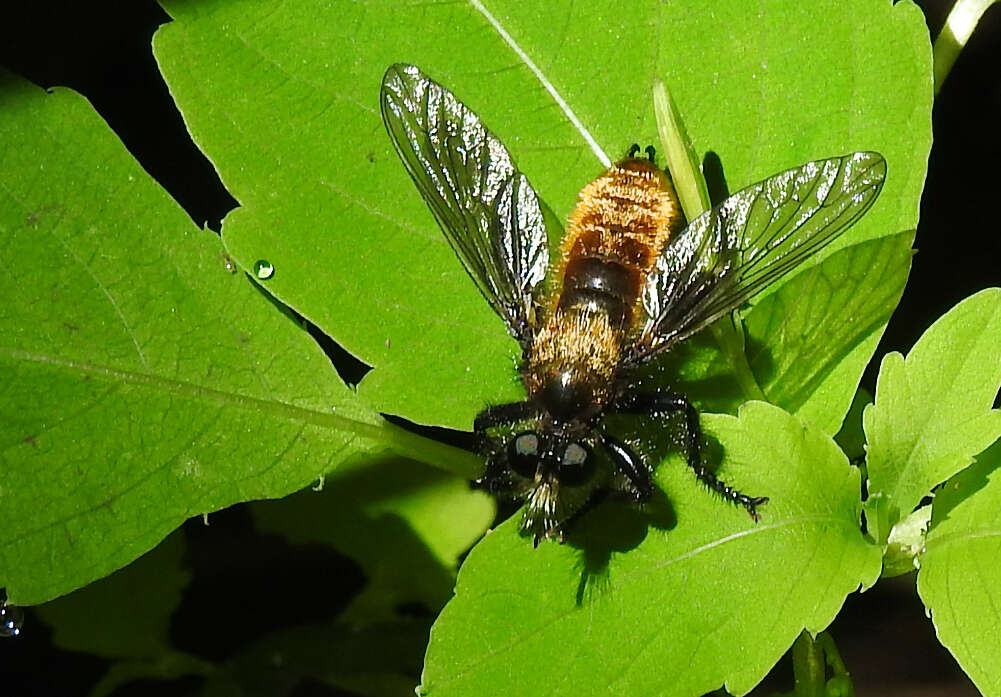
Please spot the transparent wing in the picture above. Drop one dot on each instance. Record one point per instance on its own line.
(730, 253)
(487, 209)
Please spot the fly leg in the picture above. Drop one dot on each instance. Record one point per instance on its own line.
(663, 404)
(630, 466)
(501, 414)
(496, 476)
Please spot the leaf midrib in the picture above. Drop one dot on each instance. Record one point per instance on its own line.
(281, 410)
(368, 427)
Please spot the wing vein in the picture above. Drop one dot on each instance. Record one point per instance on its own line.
(751, 239)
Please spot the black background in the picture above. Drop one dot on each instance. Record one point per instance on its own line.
(102, 49)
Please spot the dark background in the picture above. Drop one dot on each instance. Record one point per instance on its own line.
(102, 49)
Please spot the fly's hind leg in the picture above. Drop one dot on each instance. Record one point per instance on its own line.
(667, 403)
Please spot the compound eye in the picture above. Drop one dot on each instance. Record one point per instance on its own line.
(523, 454)
(576, 465)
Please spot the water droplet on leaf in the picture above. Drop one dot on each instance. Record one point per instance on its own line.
(264, 269)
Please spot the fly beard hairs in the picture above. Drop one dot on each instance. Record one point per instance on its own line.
(663, 404)
(539, 517)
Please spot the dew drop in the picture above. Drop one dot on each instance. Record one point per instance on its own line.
(11, 617)
(228, 263)
(264, 269)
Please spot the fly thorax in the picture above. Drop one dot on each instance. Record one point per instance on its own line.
(572, 363)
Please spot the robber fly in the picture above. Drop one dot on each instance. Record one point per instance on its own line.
(630, 281)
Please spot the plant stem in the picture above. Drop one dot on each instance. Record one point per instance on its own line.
(840, 682)
(431, 452)
(729, 336)
(811, 661)
(808, 667)
(693, 194)
(959, 25)
(689, 184)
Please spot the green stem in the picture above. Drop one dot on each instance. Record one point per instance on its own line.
(840, 682)
(679, 156)
(831, 654)
(455, 460)
(812, 659)
(959, 26)
(730, 338)
(808, 667)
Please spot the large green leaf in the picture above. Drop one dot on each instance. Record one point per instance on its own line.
(677, 601)
(960, 579)
(143, 383)
(284, 100)
(933, 412)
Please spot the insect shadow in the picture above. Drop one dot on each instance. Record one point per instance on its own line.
(616, 525)
(712, 170)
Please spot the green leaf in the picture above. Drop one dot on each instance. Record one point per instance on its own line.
(653, 603)
(284, 100)
(143, 383)
(807, 330)
(960, 579)
(405, 523)
(932, 411)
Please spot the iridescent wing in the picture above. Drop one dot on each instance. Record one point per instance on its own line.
(730, 253)
(488, 211)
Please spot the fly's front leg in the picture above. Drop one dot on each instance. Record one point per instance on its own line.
(666, 403)
(630, 465)
(501, 414)
(496, 476)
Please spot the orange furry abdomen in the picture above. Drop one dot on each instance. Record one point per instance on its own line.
(621, 223)
(619, 227)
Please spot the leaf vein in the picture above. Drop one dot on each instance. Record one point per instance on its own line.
(546, 83)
